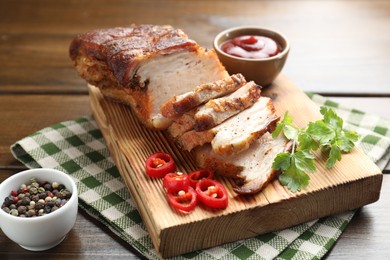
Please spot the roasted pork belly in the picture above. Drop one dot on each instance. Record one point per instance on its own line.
(251, 169)
(238, 132)
(144, 66)
(180, 104)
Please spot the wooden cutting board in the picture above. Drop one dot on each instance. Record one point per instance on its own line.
(353, 182)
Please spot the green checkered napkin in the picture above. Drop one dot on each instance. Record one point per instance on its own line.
(77, 147)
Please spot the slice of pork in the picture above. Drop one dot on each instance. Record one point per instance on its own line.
(238, 132)
(251, 170)
(202, 93)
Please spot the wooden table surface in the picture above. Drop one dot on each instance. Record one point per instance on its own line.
(340, 49)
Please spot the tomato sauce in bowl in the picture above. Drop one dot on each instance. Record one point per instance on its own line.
(257, 53)
(251, 47)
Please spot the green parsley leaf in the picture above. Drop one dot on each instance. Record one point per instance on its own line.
(326, 134)
(294, 179)
(281, 125)
(331, 118)
(307, 142)
(290, 132)
(282, 161)
(304, 161)
(347, 141)
(334, 155)
(320, 131)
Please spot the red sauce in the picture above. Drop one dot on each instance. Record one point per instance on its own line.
(251, 47)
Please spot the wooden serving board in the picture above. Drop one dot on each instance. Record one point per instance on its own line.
(353, 182)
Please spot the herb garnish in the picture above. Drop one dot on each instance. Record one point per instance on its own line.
(327, 134)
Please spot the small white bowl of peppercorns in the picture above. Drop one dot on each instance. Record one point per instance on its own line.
(38, 208)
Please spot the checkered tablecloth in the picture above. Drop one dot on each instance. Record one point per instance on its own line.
(77, 147)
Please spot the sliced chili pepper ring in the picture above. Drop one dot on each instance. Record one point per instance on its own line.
(159, 164)
(184, 199)
(196, 176)
(176, 180)
(212, 193)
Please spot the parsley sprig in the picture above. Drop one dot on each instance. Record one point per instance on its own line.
(326, 134)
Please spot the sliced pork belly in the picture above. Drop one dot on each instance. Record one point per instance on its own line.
(251, 169)
(216, 111)
(202, 93)
(237, 133)
(144, 66)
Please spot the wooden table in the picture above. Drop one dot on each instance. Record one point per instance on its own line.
(339, 49)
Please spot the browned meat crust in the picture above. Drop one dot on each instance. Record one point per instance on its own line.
(119, 50)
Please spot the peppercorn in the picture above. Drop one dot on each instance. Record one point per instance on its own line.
(55, 185)
(7, 202)
(39, 206)
(47, 186)
(47, 209)
(14, 212)
(26, 201)
(36, 199)
(33, 190)
(22, 209)
(34, 184)
(41, 212)
(30, 213)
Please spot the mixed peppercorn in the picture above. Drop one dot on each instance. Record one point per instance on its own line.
(36, 199)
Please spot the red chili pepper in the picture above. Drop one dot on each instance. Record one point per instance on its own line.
(159, 164)
(184, 198)
(212, 193)
(196, 176)
(176, 180)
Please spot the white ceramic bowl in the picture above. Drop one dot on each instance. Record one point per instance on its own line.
(42, 232)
